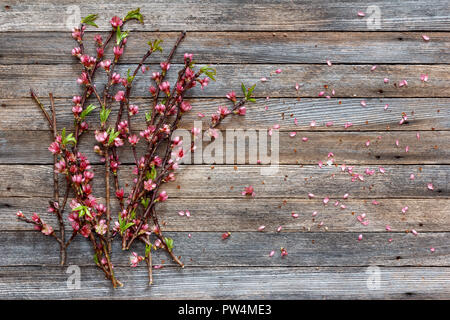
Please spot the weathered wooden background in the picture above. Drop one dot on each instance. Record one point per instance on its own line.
(246, 40)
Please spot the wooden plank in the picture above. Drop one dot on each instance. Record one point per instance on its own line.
(227, 181)
(424, 215)
(208, 249)
(433, 147)
(346, 80)
(233, 15)
(243, 47)
(37, 282)
(423, 114)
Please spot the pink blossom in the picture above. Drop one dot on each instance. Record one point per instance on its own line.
(133, 139)
(101, 136)
(242, 111)
(248, 191)
(116, 22)
(163, 196)
(165, 87)
(164, 66)
(46, 229)
(188, 57)
(85, 231)
(54, 148)
(160, 108)
(185, 106)
(83, 79)
(134, 109)
(403, 83)
(231, 96)
(76, 51)
(149, 185)
(101, 227)
(120, 96)
(117, 52)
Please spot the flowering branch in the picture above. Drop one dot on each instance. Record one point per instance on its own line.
(161, 152)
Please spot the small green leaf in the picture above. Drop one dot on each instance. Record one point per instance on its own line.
(153, 173)
(145, 202)
(251, 100)
(90, 20)
(134, 14)
(209, 72)
(87, 111)
(169, 243)
(104, 114)
(120, 35)
(130, 78)
(148, 116)
(155, 46)
(244, 89)
(96, 259)
(147, 250)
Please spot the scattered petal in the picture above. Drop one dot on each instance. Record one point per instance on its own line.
(425, 37)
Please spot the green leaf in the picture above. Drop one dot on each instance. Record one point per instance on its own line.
(209, 72)
(147, 250)
(104, 114)
(251, 100)
(145, 202)
(169, 243)
(120, 35)
(90, 20)
(87, 111)
(112, 135)
(148, 116)
(96, 259)
(153, 173)
(134, 14)
(130, 78)
(244, 89)
(250, 91)
(155, 46)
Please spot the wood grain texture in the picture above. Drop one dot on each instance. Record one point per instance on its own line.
(346, 80)
(223, 215)
(423, 114)
(433, 147)
(208, 249)
(226, 181)
(38, 282)
(232, 15)
(243, 47)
